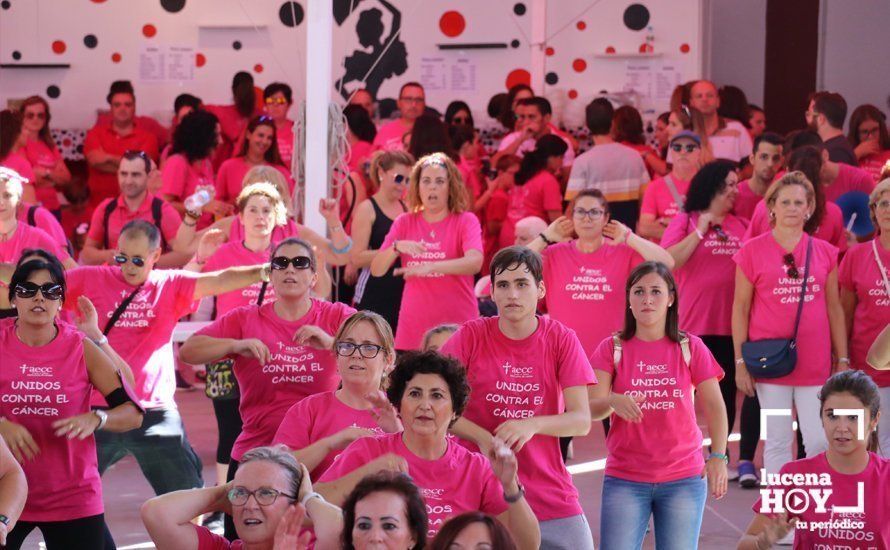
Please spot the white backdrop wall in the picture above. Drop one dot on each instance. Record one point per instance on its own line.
(103, 41)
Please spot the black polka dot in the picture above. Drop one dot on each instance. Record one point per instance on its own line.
(173, 6)
(90, 41)
(515, 43)
(291, 14)
(16, 55)
(236, 44)
(551, 78)
(519, 8)
(80, 148)
(53, 91)
(636, 17)
(5, 4)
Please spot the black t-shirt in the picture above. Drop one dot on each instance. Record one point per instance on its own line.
(840, 150)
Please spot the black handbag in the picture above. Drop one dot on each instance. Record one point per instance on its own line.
(776, 357)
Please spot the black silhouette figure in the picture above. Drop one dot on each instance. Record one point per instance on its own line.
(394, 61)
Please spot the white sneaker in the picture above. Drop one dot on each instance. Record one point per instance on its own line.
(787, 540)
(733, 474)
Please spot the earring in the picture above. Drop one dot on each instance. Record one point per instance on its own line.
(772, 215)
(807, 217)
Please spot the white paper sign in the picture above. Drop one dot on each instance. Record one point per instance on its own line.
(166, 64)
(448, 74)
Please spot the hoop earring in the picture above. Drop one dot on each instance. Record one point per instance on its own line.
(772, 214)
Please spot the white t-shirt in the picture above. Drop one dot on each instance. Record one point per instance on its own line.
(616, 170)
(529, 145)
(732, 143)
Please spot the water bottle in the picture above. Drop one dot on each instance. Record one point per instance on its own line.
(196, 201)
(650, 40)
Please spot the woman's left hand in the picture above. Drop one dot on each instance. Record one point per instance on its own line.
(503, 463)
(718, 478)
(87, 320)
(516, 433)
(313, 336)
(384, 413)
(330, 211)
(81, 426)
(616, 232)
(287, 534)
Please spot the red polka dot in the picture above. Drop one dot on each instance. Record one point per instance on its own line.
(452, 24)
(518, 76)
(573, 94)
(581, 25)
(116, 57)
(684, 48)
(59, 47)
(66, 142)
(149, 30)
(258, 68)
(549, 51)
(98, 1)
(200, 60)
(579, 65)
(610, 49)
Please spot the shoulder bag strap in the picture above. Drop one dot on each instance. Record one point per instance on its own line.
(262, 296)
(874, 247)
(109, 208)
(157, 206)
(803, 286)
(674, 192)
(120, 311)
(32, 215)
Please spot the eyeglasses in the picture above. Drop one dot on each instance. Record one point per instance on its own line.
(864, 133)
(882, 205)
(50, 291)
(40, 116)
(788, 259)
(265, 496)
(347, 349)
(412, 99)
(678, 147)
(276, 101)
(593, 214)
(136, 260)
(721, 235)
(280, 263)
(400, 178)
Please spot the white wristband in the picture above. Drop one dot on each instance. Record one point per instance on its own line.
(309, 496)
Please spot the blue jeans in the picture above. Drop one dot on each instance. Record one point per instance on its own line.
(677, 506)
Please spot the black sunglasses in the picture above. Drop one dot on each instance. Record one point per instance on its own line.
(50, 291)
(677, 147)
(299, 262)
(788, 259)
(121, 260)
(400, 178)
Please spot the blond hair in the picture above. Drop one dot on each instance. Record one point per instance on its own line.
(882, 187)
(457, 195)
(383, 161)
(791, 178)
(384, 331)
(263, 189)
(15, 182)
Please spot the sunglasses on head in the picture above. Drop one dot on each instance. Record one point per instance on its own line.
(788, 260)
(120, 259)
(50, 291)
(721, 234)
(276, 101)
(677, 147)
(299, 262)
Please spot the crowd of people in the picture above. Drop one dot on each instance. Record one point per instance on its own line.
(413, 377)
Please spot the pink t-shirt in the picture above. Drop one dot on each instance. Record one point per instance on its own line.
(26, 236)
(518, 379)
(40, 385)
(294, 372)
(234, 253)
(281, 232)
(422, 298)
(142, 334)
(746, 201)
(658, 199)
(541, 194)
(319, 416)
(849, 178)
(390, 136)
(40, 154)
(208, 540)
(515, 209)
(122, 215)
(776, 295)
(873, 164)
(359, 154)
(578, 283)
(460, 481)
(859, 274)
(230, 178)
(284, 134)
(706, 281)
(180, 179)
(873, 529)
(667, 444)
(43, 219)
(830, 230)
(19, 162)
(469, 171)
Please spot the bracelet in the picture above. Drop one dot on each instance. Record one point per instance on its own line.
(345, 249)
(266, 273)
(193, 224)
(309, 496)
(192, 214)
(338, 227)
(739, 361)
(545, 239)
(724, 457)
(510, 499)
(843, 360)
(101, 341)
(700, 234)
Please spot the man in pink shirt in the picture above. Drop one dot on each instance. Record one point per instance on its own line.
(134, 203)
(532, 123)
(412, 102)
(766, 160)
(106, 143)
(529, 377)
(139, 308)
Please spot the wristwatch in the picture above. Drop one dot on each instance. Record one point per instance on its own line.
(100, 341)
(103, 418)
(510, 499)
(4, 520)
(309, 496)
(266, 273)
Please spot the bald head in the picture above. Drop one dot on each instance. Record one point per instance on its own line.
(704, 97)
